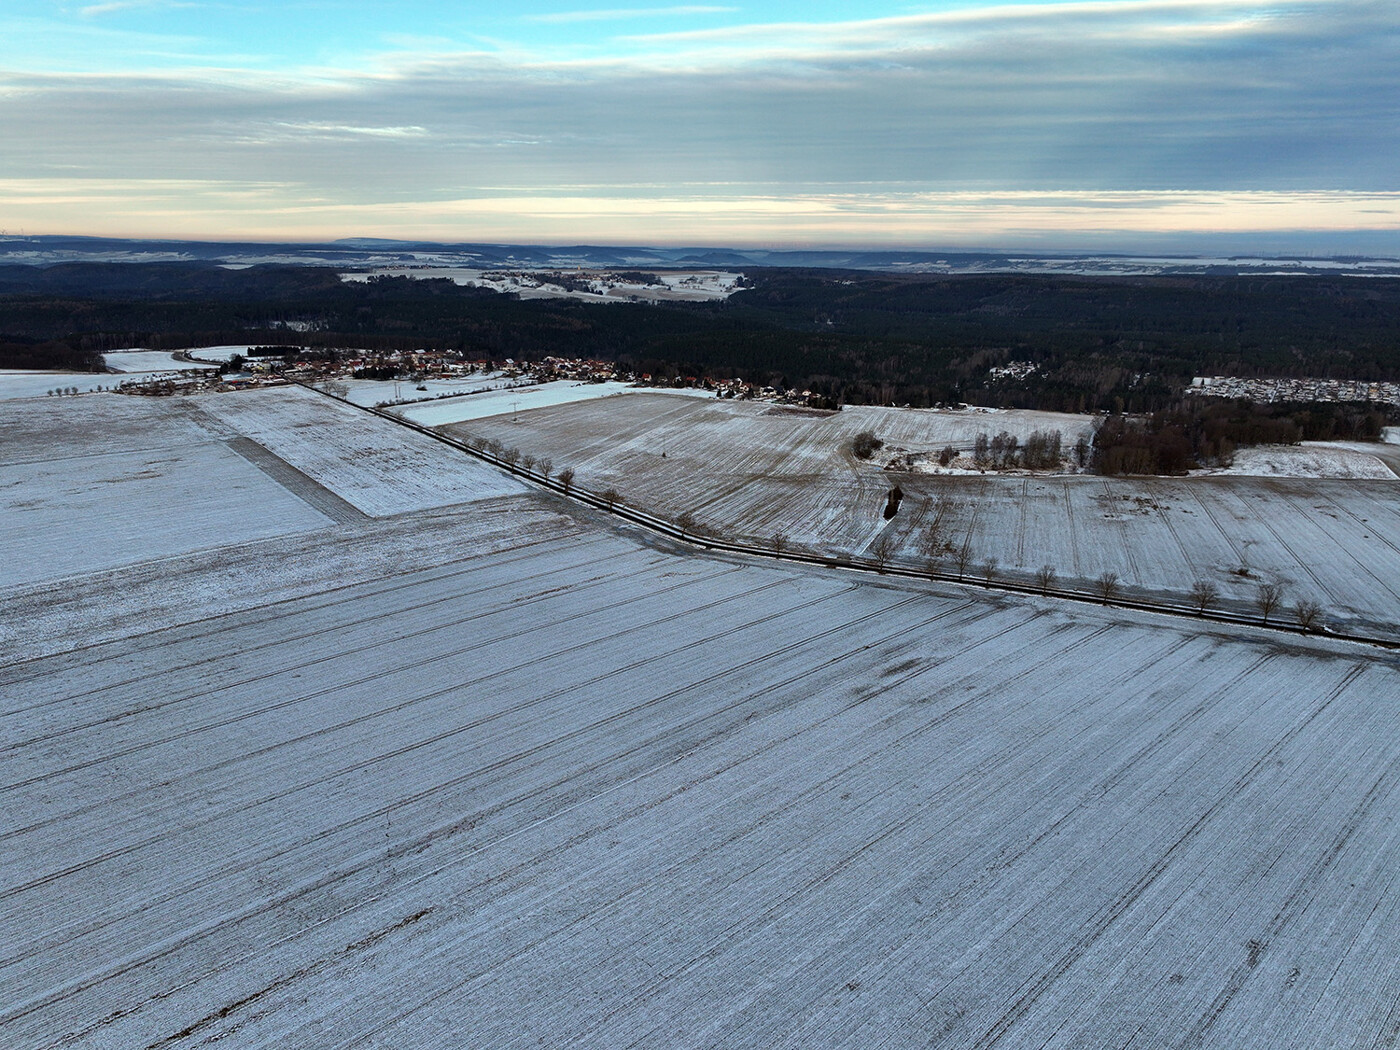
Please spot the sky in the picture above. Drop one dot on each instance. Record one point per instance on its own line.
(1107, 124)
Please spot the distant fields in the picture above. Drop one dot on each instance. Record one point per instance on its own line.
(752, 471)
(501, 772)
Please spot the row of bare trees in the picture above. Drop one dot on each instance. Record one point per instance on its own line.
(939, 543)
(541, 465)
(1204, 594)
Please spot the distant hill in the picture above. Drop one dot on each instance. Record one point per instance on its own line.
(367, 252)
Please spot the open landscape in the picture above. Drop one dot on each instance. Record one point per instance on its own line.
(692, 526)
(759, 472)
(474, 764)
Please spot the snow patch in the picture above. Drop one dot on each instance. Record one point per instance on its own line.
(502, 402)
(1311, 459)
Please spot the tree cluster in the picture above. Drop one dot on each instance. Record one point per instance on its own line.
(1042, 451)
(1196, 432)
(866, 444)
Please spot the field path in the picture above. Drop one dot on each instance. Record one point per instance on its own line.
(294, 481)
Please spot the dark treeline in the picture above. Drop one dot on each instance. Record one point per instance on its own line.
(1097, 345)
(1197, 432)
(74, 355)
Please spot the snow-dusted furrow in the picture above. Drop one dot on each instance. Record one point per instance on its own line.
(790, 761)
(322, 634)
(502, 774)
(146, 652)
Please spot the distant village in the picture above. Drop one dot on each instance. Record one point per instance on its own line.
(1266, 391)
(264, 366)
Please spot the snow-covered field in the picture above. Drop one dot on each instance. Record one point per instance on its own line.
(370, 392)
(588, 792)
(673, 286)
(753, 471)
(15, 385)
(94, 482)
(218, 354)
(507, 401)
(134, 365)
(148, 361)
(377, 466)
(1311, 459)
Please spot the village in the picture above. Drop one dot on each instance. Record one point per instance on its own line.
(219, 369)
(1267, 391)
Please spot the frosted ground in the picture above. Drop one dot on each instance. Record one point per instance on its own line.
(755, 471)
(1312, 459)
(16, 385)
(134, 366)
(672, 286)
(219, 354)
(498, 773)
(149, 361)
(371, 392)
(510, 401)
(93, 482)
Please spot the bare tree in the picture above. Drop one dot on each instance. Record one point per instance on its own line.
(685, 521)
(989, 571)
(544, 466)
(882, 550)
(936, 513)
(611, 497)
(1307, 614)
(779, 542)
(934, 548)
(510, 456)
(1045, 578)
(1268, 598)
(527, 461)
(1108, 586)
(1203, 594)
(962, 557)
(982, 451)
(566, 478)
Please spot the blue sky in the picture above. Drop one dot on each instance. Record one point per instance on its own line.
(1106, 123)
(171, 34)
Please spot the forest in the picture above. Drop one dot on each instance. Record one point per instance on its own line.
(1080, 344)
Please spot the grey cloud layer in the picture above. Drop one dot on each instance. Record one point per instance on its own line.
(1210, 96)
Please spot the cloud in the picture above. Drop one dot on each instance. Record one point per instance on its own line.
(863, 125)
(306, 129)
(280, 210)
(115, 6)
(1114, 19)
(621, 13)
